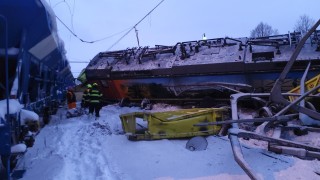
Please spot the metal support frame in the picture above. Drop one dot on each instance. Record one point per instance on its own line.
(276, 95)
(5, 151)
(24, 98)
(235, 144)
(306, 120)
(235, 133)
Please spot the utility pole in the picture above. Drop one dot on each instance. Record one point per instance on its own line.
(137, 35)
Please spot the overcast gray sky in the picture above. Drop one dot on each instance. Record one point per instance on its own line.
(173, 21)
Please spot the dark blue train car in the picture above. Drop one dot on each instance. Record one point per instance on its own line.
(33, 65)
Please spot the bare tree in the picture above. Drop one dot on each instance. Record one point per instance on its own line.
(263, 29)
(303, 24)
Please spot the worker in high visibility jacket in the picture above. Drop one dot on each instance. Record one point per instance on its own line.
(85, 97)
(94, 100)
(71, 98)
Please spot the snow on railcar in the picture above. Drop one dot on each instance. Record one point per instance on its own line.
(33, 56)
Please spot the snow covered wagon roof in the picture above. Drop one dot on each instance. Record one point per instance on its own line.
(218, 55)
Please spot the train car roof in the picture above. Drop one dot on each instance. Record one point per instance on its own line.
(204, 56)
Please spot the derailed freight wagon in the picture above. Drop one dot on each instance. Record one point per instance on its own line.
(195, 71)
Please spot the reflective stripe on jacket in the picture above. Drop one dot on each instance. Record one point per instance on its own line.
(94, 96)
(85, 97)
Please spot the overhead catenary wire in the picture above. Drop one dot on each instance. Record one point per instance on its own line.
(101, 39)
(69, 8)
(134, 26)
(85, 41)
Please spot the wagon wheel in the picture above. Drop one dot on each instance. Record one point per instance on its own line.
(266, 128)
(197, 143)
(263, 112)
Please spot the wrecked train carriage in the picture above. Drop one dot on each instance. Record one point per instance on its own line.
(202, 70)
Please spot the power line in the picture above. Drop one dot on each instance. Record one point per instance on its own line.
(69, 8)
(85, 41)
(134, 26)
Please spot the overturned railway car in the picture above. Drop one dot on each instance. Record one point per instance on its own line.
(203, 69)
(33, 66)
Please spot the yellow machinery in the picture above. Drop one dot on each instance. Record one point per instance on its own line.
(171, 124)
(309, 85)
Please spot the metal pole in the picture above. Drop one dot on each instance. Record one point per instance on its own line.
(235, 143)
(7, 84)
(137, 36)
(6, 61)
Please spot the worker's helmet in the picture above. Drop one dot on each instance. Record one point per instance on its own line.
(94, 84)
(89, 86)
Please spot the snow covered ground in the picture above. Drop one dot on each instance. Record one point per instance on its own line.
(83, 148)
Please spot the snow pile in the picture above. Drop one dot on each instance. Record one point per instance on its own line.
(18, 148)
(26, 115)
(14, 107)
(89, 149)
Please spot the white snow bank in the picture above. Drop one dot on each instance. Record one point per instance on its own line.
(85, 148)
(18, 148)
(26, 115)
(14, 107)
